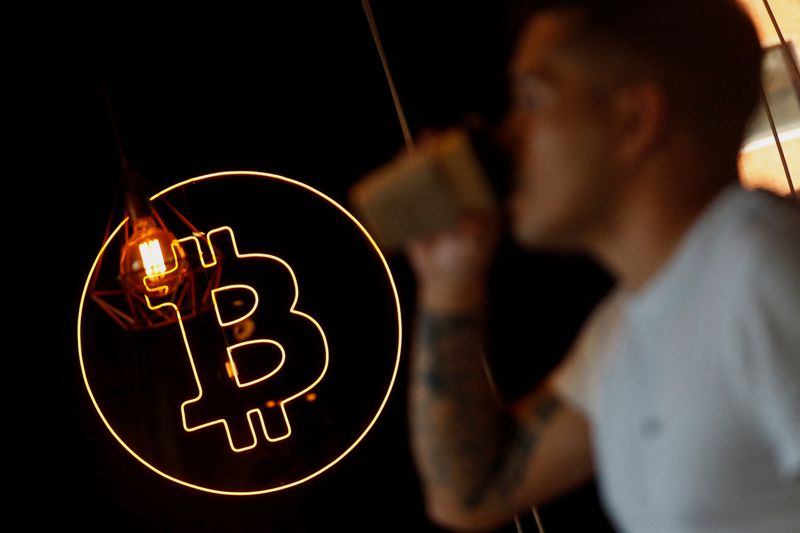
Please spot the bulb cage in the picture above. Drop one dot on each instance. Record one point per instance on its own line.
(129, 309)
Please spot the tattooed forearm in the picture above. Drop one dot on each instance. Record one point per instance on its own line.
(453, 343)
(522, 442)
(455, 418)
(465, 444)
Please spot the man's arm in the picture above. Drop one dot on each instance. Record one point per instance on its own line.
(479, 462)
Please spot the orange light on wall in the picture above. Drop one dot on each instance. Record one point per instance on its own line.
(762, 164)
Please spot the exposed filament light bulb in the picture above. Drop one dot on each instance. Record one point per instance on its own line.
(148, 252)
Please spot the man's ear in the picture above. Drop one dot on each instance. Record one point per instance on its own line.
(641, 116)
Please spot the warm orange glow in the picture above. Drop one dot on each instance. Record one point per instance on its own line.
(761, 167)
(156, 286)
(152, 258)
(787, 13)
(270, 403)
(311, 396)
(143, 256)
(760, 164)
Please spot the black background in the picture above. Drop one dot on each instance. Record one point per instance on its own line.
(291, 88)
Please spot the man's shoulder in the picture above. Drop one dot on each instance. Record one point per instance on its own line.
(762, 231)
(764, 255)
(767, 217)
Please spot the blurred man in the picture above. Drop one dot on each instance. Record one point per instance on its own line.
(682, 392)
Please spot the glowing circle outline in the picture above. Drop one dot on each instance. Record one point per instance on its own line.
(394, 370)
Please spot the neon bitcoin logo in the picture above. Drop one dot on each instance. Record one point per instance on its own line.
(287, 365)
(208, 408)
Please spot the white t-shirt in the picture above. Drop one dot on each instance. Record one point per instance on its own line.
(692, 384)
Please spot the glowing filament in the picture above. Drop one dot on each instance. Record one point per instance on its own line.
(152, 258)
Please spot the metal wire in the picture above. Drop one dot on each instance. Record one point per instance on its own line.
(791, 65)
(395, 97)
(778, 144)
(794, 73)
(410, 145)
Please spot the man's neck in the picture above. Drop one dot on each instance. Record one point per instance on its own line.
(652, 222)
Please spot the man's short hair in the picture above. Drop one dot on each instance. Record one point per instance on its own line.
(704, 53)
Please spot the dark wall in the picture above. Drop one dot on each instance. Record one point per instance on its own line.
(291, 88)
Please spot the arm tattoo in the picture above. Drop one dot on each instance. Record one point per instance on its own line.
(451, 340)
(466, 443)
(455, 417)
(522, 442)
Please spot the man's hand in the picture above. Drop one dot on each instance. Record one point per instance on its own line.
(451, 266)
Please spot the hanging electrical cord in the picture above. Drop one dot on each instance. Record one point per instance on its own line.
(395, 97)
(124, 300)
(498, 397)
(410, 145)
